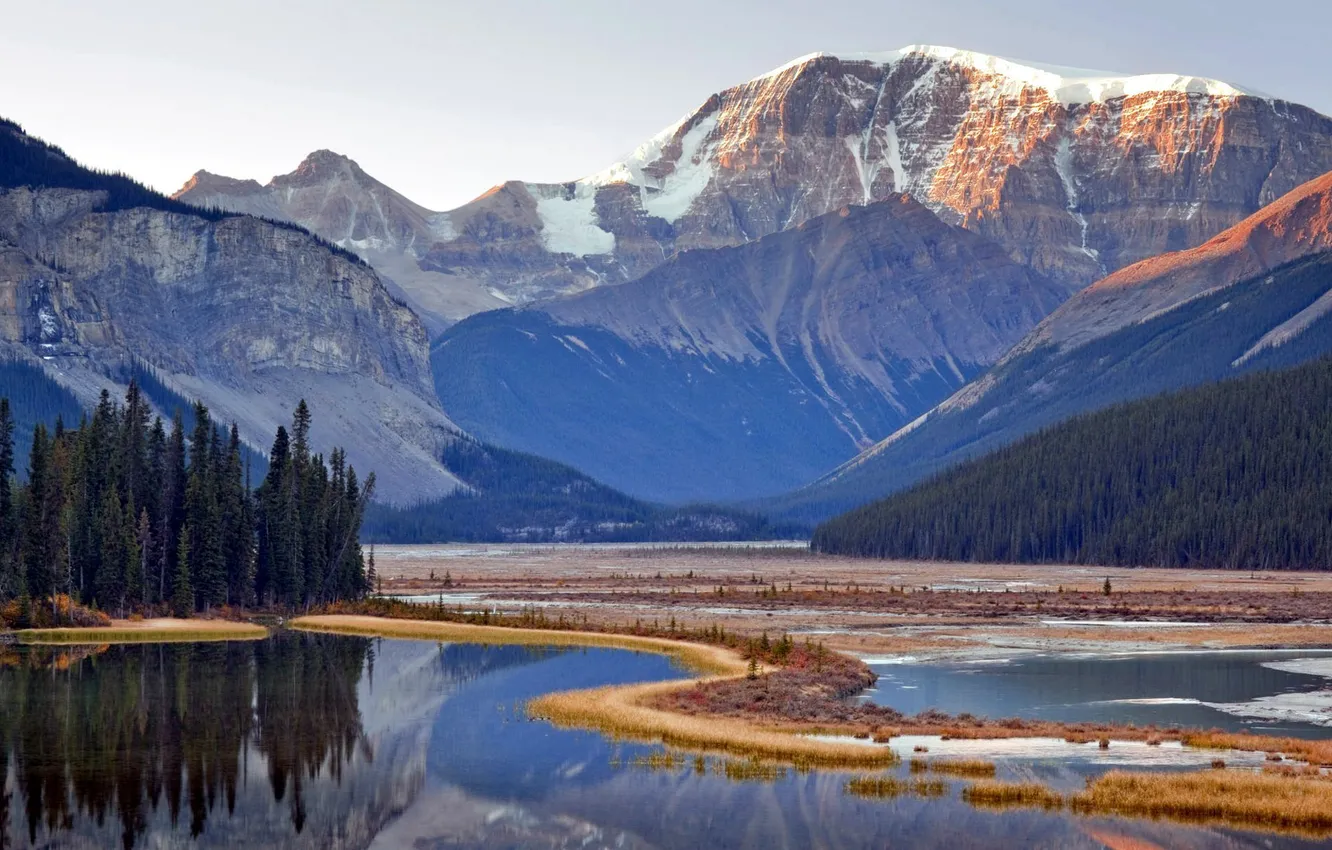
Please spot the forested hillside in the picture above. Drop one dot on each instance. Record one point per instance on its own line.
(34, 397)
(1273, 321)
(516, 497)
(1232, 475)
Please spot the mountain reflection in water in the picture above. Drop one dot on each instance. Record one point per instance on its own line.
(309, 740)
(261, 743)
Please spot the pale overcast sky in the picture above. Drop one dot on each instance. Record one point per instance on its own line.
(444, 99)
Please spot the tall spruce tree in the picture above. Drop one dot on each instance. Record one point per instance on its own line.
(9, 568)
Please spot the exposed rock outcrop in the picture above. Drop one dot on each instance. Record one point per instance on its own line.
(329, 194)
(246, 315)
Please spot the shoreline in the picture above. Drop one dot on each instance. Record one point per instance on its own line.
(159, 630)
(639, 710)
(623, 710)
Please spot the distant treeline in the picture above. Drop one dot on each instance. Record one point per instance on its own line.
(120, 514)
(517, 497)
(27, 161)
(1233, 475)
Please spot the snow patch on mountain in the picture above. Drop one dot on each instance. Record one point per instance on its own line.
(569, 222)
(1064, 84)
(671, 196)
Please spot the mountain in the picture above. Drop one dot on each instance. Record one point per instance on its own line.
(733, 372)
(1232, 475)
(1075, 173)
(99, 276)
(1258, 295)
(329, 194)
(518, 498)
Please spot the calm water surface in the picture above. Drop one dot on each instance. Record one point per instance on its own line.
(1197, 689)
(322, 741)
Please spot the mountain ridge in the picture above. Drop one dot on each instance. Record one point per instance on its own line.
(1076, 174)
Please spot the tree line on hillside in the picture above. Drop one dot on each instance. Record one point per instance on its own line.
(1232, 475)
(27, 161)
(124, 515)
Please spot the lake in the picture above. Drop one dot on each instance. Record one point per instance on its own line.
(309, 740)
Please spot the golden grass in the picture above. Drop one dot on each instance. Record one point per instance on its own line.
(1229, 797)
(700, 657)
(147, 631)
(993, 794)
(1313, 752)
(624, 711)
(971, 768)
(889, 787)
(748, 770)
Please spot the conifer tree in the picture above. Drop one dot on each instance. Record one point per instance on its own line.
(9, 568)
(182, 591)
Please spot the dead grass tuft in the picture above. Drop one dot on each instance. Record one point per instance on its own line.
(889, 787)
(971, 768)
(1229, 797)
(993, 794)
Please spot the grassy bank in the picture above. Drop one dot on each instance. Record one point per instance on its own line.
(630, 711)
(146, 631)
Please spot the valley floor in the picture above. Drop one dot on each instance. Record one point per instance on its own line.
(875, 608)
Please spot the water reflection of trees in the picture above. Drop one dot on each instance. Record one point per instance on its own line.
(136, 728)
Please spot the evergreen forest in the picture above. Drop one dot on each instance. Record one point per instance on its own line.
(1231, 475)
(126, 514)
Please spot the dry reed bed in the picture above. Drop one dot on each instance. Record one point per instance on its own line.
(969, 768)
(203, 630)
(1271, 800)
(990, 793)
(890, 787)
(1236, 798)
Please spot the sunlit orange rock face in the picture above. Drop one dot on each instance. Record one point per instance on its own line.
(1295, 226)
(1072, 189)
(1073, 180)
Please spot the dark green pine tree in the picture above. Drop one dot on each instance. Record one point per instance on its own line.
(182, 590)
(272, 572)
(40, 523)
(174, 480)
(10, 584)
(112, 582)
(237, 517)
(203, 515)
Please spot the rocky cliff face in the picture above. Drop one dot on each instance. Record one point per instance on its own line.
(1258, 295)
(1075, 173)
(733, 372)
(244, 314)
(329, 194)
